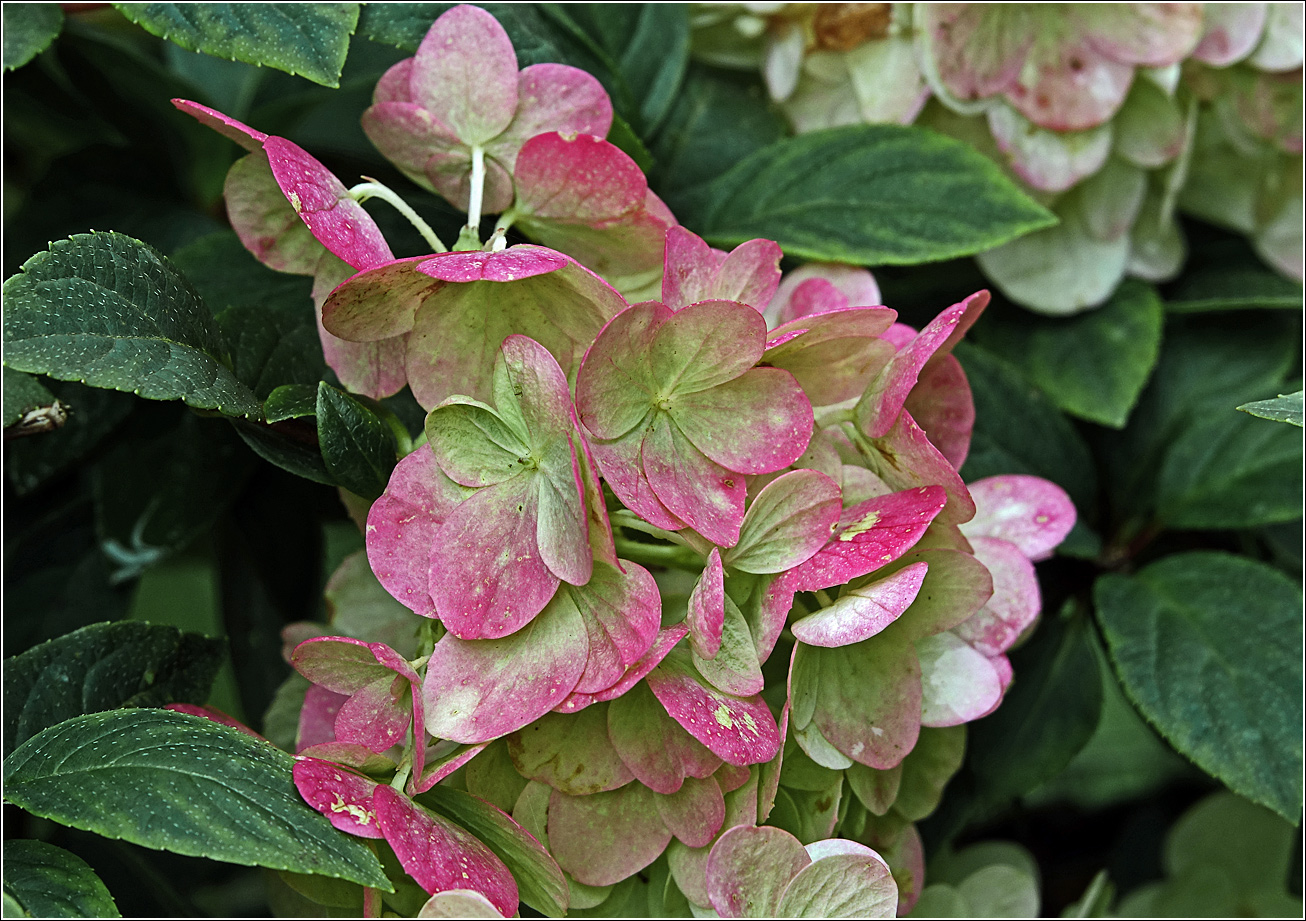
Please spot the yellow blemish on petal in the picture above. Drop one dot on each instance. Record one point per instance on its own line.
(860, 527)
(722, 716)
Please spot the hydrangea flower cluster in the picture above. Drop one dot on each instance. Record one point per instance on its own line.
(1114, 115)
(658, 572)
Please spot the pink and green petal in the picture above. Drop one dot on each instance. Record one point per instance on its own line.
(486, 574)
(408, 136)
(749, 868)
(379, 303)
(553, 97)
(1069, 85)
(1015, 603)
(570, 752)
(439, 761)
(344, 797)
(459, 903)
(1149, 34)
(735, 668)
(325, 205)
(739, 730)
(1051, 161)
(317, 717)
(833, 355)
(377, 715)
(247, 137)
(694, 272)
(958, 684)
(666, 640)
(1030, 512)
(656, 749)
(779, 421)
(402, 526)
(473, 445)
(869, 536)
(265, 222)
(942, 405)
(688, 865)
(1151, 130)
(603, 838)
(694, 813)
(861, 613)
(787, 523)
(975, 50)
(845, 286)
(620, 463)
(374, 369)
(1230, 32)
(867, 696)
(622, 612)
(576, 178)
(906, 459)
(1281, 45)
(844, 880)
(439, 855)
(346, 665)
(478, 690)
(706, 496)
(352, 755)
(883, 401)
(955, 588)
(465, 74)
(707, 608)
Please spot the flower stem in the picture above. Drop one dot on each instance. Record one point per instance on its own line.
(624, 518)
(373, 189)
(476, 194)
(658, 555)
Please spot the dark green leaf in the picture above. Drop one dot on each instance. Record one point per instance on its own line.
(1208, 646)
(539, 879)
(644, 48)
(22, 394)
(624, 138)
(308, 39)
(1188, 458)
(290, 445)
(52, 883)
(182, 783)
(1093, 365)
(153, 497)
(1283, 408)
(871, 195)
(718, 119)
(405, 24)
(1018, 430)
(226, 275)
(92, 415)
(270, 348)
(29, 28)
(102, 667)
(291, 401)
(112, 312)
(1231, 285)
(357, 447)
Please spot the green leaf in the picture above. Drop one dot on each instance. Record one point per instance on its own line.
(1092, 365)
(1208, 646)
(1283, 408)
(641, 50)
(22, 394)
(1018, 430)
(290, 445)
(357, 447)
(102, 667)
(1188, 460)
(226, 275)
(540, 882)
(718, 119)
(112, 312)
(29, 28)
(182, 783)
(153, 496)
(405, 24)
(308, 39)
(49, 882)
(871, 195)
(291, 401)
(1229, 280)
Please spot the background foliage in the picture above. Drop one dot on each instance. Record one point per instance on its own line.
(200, 520)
